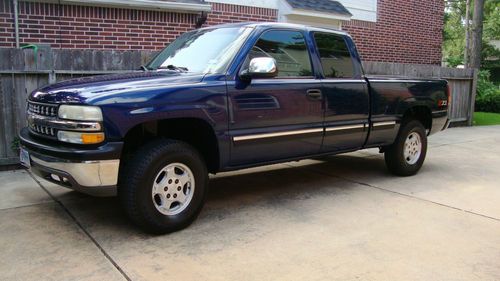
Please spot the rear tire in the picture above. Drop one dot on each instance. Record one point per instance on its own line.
(406, 155)
(163, 186)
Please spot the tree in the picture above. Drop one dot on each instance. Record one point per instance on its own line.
(455, 31)
(477, 34)
(467, 33)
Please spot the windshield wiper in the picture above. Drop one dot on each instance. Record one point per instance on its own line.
(173, 67)
(144, 68)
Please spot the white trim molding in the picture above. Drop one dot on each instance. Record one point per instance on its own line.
(316, 14)
(383, 124)
(137, 4)
(343, 128)
(269, 4)
(277, 134)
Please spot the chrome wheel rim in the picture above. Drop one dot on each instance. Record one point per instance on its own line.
(412, 148)
(173, 189)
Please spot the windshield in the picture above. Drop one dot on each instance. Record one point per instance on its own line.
(201, 51)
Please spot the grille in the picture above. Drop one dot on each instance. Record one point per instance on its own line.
(43, 130)
(42, 109)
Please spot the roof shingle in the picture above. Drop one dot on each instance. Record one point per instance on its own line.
(328, 6)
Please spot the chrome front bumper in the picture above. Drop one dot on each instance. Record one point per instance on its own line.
(97, 178)
(91, 170)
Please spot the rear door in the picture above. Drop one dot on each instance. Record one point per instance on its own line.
(345, 92)
(276, 118)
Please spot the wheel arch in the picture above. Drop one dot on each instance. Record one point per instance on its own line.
(196, 132)
(421, 113)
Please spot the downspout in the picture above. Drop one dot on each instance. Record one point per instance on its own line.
(201, 20)
(16, 22)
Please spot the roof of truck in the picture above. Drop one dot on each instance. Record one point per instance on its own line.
(278, 25)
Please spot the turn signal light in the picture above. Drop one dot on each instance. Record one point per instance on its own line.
(80, 138)
(92, 138)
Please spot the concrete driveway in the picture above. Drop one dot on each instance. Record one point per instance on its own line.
(341, 218)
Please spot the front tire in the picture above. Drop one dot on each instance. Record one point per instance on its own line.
(406, 156)
(163, 186)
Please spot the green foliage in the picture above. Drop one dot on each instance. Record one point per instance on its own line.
(454, 33)
(491, 56)
(489, 103)
(484, 85)
(491, 27)
(492, 23)
(454, 61)
(488, 94)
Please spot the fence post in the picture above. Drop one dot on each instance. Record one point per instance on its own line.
(52, 76)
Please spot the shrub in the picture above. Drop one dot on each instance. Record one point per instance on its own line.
(488, 94)
(488, 104)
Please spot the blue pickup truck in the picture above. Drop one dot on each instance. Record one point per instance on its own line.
(218, 99)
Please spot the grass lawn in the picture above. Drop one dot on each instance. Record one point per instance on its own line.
(486, 118)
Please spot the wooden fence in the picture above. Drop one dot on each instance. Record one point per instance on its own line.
(22, 71)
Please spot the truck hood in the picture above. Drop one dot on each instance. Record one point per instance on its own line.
(109, 88)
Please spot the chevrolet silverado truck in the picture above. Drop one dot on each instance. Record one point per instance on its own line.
(218, 99)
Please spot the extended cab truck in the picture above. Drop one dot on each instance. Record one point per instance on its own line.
(218, 99)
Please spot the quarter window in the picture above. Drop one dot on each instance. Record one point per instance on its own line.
(335, 56)
(289, 50)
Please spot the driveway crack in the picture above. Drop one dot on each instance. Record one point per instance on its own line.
(457, 143)
(26, 205)
(75, 220)
(398, 193)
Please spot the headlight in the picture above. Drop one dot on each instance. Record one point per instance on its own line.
(80, 112)
(80, 138)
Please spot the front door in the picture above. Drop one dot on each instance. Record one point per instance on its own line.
(276, 118)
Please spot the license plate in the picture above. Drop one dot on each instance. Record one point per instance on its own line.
(24, 157)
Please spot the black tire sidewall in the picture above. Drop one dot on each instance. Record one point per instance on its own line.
(159, 157)
(395, 155)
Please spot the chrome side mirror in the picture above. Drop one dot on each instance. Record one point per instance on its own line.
(263, 67)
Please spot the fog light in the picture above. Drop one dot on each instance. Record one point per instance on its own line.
(80, 138)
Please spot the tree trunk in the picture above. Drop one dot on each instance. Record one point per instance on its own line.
(477, 34)
(467, 34)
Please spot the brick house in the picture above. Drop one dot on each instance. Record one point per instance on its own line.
(406, 31)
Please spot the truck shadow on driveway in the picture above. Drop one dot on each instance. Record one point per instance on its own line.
(294, 177)
(242, 192)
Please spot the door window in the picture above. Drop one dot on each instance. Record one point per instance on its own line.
(335, 56)
(289, 50)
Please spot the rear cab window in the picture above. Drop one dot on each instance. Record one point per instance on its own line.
(336, 59)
